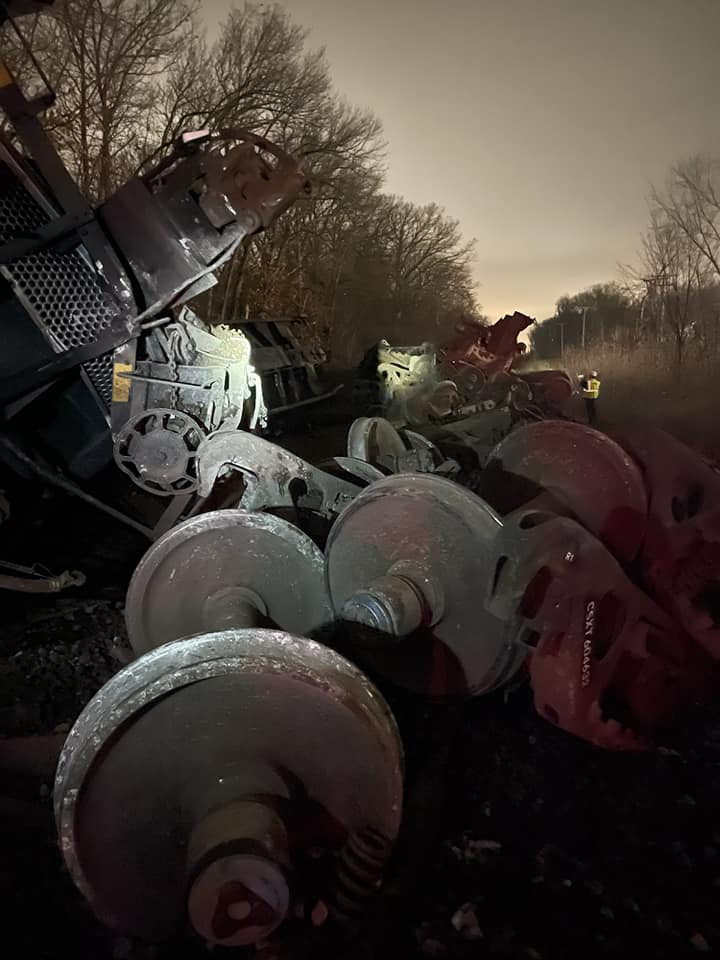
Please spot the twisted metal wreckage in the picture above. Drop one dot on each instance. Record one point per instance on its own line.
(454, 556)
(474, 371)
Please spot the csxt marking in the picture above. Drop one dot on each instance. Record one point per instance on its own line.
(588, 642)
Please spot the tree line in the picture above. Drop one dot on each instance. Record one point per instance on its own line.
(670, 299)
(132, 75)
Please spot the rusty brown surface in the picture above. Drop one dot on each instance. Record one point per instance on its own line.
(608, 664)
(490, 349)
(255, 175)
(680, 556)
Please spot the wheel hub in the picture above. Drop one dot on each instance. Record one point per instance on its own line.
(206, 773)
(407, 567)
(158, 449)
(226, 568)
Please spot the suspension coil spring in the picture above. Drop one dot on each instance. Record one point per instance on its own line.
(359, 871)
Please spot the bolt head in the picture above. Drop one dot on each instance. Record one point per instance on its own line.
(238, 900)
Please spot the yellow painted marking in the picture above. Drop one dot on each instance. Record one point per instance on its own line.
(121, 384)
(5, 76)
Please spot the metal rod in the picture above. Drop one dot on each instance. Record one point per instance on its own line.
(70, 488)
(166, 383)
(234, 607)
(50, 93)
(172, 514)
(304, 403)
(41, 585)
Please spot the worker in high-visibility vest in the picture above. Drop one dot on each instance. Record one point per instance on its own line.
(591, 391)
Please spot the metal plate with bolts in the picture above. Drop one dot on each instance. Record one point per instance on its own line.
(407, 567)
(573, 469)
(213, 783)
(157, 449)
(227, 568)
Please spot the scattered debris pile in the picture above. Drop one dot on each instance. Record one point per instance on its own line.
(236, 773)
(472, 373)
(435, 590)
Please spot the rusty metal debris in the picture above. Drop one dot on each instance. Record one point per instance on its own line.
(680, 554)
(480, 359)
(442, 594)
(254, 174)
(231, 780)
(473, 371)
(107, 289)
(184, 792)
(286, 355)
(273, 765)
(37, 580)
(158, 449)
(607, 663)
(404, 383)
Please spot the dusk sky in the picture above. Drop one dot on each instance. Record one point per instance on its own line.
(539, 124)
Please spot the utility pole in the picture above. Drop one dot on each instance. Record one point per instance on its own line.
(562, 340)
(583, 330)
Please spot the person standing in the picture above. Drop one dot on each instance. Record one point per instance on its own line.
(591, 391)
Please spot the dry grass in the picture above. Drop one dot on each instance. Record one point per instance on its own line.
(646, 386)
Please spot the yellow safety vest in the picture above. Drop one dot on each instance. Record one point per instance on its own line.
(592, 391)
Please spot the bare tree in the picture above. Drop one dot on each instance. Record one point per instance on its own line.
(676, 270)
(132, 75)
(430, 266)
(107, 60)
(692, 203)
(264, 78)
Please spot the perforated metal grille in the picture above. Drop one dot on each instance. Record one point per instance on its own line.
(100, 372)
(60, 290)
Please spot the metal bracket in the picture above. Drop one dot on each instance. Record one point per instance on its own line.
(273, 477)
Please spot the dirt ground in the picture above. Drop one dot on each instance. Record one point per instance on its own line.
(518, 841)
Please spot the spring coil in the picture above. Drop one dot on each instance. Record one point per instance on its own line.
(359, 871)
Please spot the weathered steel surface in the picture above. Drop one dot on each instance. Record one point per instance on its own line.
(219, 570)
(376, 441)
(158, 450)
(576, 470)
(283, 727)
(410, 555)
(273, 476)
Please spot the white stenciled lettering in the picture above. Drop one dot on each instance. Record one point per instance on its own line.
(588, 642)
